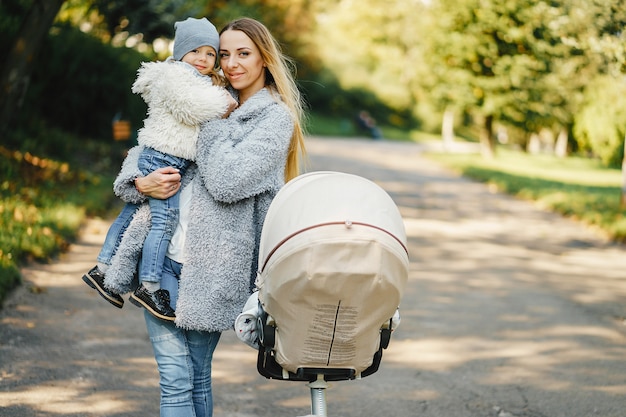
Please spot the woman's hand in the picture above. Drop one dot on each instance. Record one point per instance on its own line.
(232, 105)
(161, 183)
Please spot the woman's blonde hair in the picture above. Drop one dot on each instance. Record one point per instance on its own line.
(279, 78)
(217, 78)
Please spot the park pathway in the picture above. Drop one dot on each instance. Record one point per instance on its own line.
(510, 311)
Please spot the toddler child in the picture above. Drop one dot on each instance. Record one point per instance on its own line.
(181, 92)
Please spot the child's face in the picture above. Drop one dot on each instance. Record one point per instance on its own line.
(202, 59)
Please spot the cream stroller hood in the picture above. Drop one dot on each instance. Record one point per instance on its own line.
(333, 266)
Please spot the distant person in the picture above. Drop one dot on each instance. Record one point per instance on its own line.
(181, 93)
(366, 122)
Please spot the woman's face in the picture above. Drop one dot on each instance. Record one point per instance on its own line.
(202, 59)
(242, 63)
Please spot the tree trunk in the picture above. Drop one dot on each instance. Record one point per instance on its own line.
(533, 147)
(623, 199)
(18, 65)
(487, 143)
(560, 149)
(447, 130)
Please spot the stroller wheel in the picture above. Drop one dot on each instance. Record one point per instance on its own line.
(385, 337)
(267, 332)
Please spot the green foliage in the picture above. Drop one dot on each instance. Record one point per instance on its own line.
(31, 232)
(9, 275)
(43, 139)
(508, 59)
(524, 62)
(83, 84)
(321, 124)
(43, 201)
(600, 126)
(575, 187)
(372, 46)
(151, 18)
(324, 96)
(11, 15)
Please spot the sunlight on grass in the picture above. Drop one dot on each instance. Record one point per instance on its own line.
(43, 203)
(572, 170)
(577, 187)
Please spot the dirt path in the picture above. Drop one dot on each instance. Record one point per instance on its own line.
(509, 312)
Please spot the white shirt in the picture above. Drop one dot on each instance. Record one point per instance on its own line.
(176, 247)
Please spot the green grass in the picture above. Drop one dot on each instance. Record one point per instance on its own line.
(320, 125)
(575, 187)
(43, 203)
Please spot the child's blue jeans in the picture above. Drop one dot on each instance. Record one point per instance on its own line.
(164, 218)
(164, 215)
(115, 233)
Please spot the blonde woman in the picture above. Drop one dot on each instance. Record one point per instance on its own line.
(242, 161)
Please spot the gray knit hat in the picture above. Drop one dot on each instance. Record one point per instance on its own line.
(194, 33)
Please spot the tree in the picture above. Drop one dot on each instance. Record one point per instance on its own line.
(600, 124)
(375, 47)
(608, 45)
(622, 202)
(520, 63)
(150, 18)
(15, 75)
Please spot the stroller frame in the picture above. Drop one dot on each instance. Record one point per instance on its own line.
(317, 377)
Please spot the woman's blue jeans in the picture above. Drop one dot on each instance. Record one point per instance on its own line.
(184, 361)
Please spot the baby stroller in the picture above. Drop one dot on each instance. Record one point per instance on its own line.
(333, 264)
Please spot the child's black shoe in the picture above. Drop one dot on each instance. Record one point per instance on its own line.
(95, 279)
(157, 303)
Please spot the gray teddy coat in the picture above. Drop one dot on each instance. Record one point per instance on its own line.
(239, 169)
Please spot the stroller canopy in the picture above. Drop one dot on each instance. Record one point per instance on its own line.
(333, 265)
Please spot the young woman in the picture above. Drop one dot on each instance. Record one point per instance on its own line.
(242, 161)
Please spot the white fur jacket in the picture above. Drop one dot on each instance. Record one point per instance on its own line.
(179, 99)
(238, 171)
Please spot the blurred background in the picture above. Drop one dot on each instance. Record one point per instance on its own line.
(546, 72)
(532, 76)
